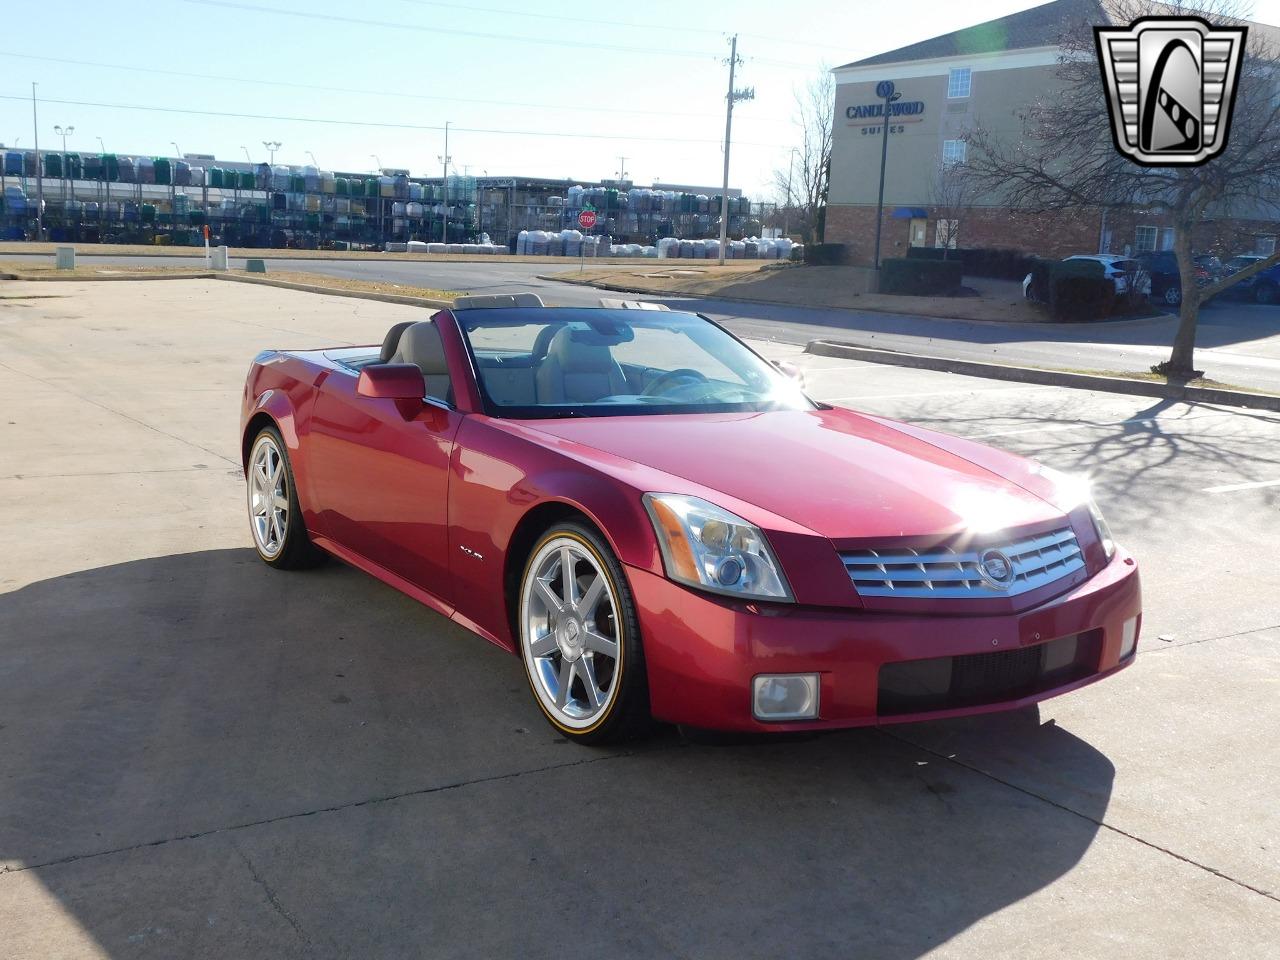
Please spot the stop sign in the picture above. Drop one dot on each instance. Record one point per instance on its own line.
(587, 219)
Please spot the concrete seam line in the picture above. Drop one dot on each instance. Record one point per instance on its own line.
(335, 808)
(118, 413)
(1166, 647)
(1083, 816)
(1057, 378)
(337, 292)
(38, 278)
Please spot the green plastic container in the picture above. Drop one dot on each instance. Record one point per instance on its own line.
(246, 179)
(313, 221)
(164, 170)
(111, 166)
(342, 187)
(371, 187)
(53, 164)
(75, 168)
(215, 177)
(297, 183)
(148, 213)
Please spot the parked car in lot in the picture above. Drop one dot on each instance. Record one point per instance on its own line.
(1262, 287)
(1213, 265)
(1166, 280)
(1121, 271)
(660, 524)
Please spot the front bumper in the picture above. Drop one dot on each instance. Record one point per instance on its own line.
(702, 651)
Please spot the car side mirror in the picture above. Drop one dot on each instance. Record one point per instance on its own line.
(791, 372)
(392, 381)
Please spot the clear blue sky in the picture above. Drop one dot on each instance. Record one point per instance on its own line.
(595, 81)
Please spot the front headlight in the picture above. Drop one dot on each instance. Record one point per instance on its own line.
(706, 547)
(1102, 529)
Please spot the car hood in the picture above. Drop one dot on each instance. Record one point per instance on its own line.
(838, 473)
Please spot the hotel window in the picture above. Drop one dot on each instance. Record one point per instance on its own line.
(1144, 239)
(1166, 238)
(1265, 246)
(958, 83)
(953, 151)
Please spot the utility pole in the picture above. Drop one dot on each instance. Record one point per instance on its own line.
(622, 168)
(883, 89)
(444, 184)
(733, 95)
(272, 146)
(35, 129)
(106, 184)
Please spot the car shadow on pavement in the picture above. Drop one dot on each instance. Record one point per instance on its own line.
(204, 757)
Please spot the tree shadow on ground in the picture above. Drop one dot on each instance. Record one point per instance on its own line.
(204, 757)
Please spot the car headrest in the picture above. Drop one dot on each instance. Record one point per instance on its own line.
(578, 350)
(392, 340)
(420, 343)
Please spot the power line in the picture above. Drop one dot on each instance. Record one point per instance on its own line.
(352, 90)
(190, 111)
(630, 24)
(476, 34)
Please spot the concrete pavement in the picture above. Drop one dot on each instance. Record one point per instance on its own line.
(206, 758)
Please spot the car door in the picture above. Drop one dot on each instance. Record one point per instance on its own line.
(380, 477)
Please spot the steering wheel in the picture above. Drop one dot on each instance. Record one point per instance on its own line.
(659, 385)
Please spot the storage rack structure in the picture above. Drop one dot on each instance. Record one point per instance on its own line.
(117, 198)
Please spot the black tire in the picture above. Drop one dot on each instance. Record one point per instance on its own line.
(297, 552)
(1267, 293)
(627, 716)
(1172, 295)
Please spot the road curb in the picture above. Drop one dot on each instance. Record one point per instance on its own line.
(424, 302)
(190, 275)
(336, 292)
(1053, 378)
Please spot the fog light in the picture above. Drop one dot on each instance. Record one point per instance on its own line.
(785, 697)
(1128, 638)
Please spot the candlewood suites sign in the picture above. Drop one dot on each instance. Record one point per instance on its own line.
(874, 112)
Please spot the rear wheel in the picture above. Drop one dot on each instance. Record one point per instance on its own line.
(275, 518)
(1173, 295)
(580, 639)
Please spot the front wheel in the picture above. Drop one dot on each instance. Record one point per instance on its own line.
(1173, 296)
(580, 638)
(275, 518)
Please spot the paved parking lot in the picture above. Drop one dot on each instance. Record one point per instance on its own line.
(200, 757)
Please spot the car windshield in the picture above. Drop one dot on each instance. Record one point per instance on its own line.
(535, 363)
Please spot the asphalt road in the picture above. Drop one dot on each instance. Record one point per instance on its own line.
(200, 757)
(1239, 342)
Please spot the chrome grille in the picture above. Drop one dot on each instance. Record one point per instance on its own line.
(945, 573)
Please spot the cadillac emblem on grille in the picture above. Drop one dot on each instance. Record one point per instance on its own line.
(1170, 84)
(994, 567)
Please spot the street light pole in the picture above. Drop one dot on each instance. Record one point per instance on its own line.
(35, 129)
(883, 89)
(272, 146)
(444, 184)
(57, 128)
(730, 98)
(786, 212)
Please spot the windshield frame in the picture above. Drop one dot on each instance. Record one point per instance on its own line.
(500, 411)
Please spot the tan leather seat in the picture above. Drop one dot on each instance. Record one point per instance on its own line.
(577, 370)
(420, 344)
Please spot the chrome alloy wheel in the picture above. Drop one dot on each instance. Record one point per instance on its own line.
(268, 496)
(569, 633)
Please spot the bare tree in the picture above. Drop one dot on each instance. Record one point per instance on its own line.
(804, 186)
(1065, 160)
(951, 193)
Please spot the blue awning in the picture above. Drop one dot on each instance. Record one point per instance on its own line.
(908, 213)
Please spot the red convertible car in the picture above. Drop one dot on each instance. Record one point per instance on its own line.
(664, 527)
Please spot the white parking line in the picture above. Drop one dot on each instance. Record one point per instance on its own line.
(1232, 487)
